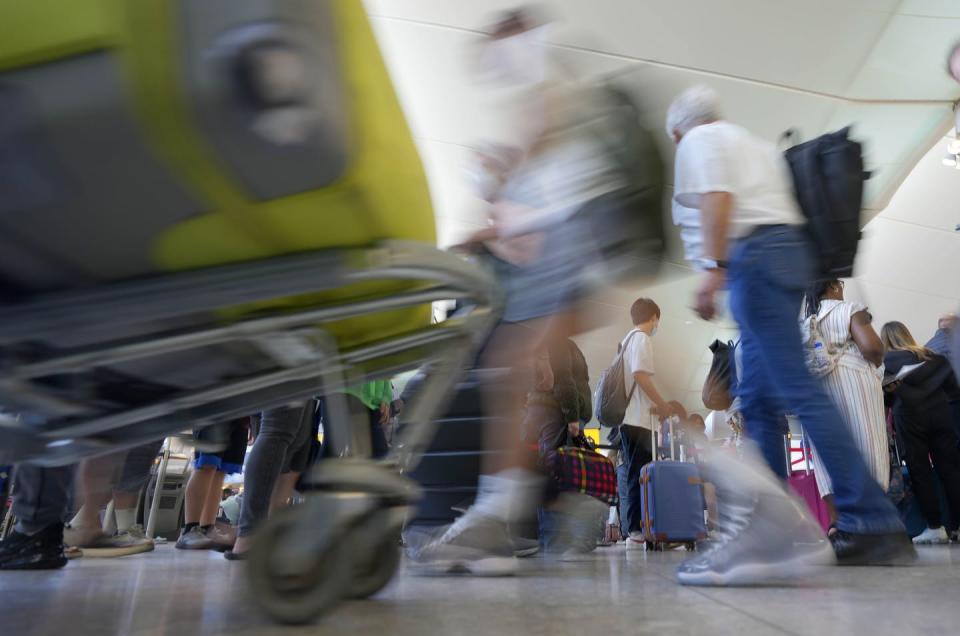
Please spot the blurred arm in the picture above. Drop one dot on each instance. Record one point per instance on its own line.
(715, 211)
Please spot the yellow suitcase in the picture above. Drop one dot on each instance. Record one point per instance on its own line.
(149, 137)
(190, 187)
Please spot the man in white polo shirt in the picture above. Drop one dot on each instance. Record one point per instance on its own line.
(755, 243)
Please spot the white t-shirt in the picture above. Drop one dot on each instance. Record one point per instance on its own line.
(688, 220)
(723, 157)
(638, 356)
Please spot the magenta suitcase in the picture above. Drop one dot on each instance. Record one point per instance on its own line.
(805, 485)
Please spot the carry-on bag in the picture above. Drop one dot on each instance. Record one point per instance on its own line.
(671, 499)
(804, 484)
(579, 468)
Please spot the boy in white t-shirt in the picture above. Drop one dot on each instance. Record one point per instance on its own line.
(635, 433)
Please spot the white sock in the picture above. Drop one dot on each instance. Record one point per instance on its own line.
(510, 495)
(125, 518)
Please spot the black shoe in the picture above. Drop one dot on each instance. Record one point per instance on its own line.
(230, 555)
(873, 549)
(41, 551)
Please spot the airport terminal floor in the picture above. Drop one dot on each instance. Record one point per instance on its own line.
(610, 592)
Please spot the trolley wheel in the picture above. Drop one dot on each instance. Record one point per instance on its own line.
(301, 597)
(374, 568)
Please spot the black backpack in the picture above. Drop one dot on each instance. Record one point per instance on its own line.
(634, 227)
(828, 179)
(718, 388)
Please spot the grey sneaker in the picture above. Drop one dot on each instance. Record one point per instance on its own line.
(474, 544)
(195, 539)
(120, 545)
(94, 544)
(223, 539)
(774, 540)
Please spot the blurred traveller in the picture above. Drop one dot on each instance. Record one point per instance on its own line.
(922, 415)
(942, 344)
(40, 499)
(851, 354)
(557, 415)
(555, 418)
(545, 192)
(753, 234)
(120, 475)
(643, 397)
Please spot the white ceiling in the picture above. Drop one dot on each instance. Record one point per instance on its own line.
(816, 65)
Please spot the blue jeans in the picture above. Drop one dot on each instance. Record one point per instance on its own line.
(769, 271)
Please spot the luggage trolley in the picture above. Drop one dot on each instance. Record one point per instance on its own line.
(212, 208)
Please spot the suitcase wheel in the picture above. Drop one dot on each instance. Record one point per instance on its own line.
(317, 585)
(375, 545)
(358, 560)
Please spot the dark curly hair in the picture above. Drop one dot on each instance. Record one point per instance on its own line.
(814, 294)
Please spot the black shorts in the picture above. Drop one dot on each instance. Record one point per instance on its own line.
(230, 459)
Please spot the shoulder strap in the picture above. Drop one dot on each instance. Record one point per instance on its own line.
(626, 341)
(623, 349)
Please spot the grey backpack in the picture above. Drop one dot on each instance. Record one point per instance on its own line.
(611, 398)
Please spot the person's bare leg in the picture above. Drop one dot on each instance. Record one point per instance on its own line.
(511, 347)
(211, 504)
(521, 348)
(196, 495)
(283, 490)
(511, 485)
(93, 493)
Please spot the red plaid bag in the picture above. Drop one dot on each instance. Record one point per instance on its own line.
(582, 469)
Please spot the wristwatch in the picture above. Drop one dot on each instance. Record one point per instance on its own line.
(709, 263)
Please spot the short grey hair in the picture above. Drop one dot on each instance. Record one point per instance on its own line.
(694, 106)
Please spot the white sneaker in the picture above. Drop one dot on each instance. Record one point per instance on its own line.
(474, 544)
(636, 542)
(775, 540)
(932, 536)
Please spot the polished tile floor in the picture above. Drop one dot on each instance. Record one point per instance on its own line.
(611, 592)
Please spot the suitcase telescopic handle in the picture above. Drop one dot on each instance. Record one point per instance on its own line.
(653, 435)
(654, 425)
